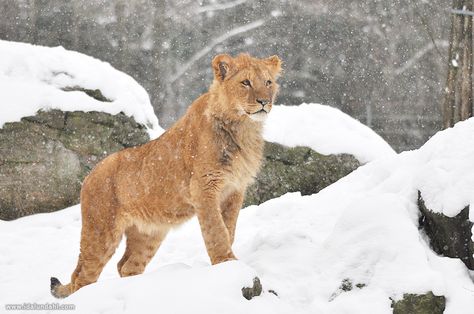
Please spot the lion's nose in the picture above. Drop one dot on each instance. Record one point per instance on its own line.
(263, 102)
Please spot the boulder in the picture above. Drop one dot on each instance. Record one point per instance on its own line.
(419, 304)
(45, 157)
(449, 236)
(286, 169)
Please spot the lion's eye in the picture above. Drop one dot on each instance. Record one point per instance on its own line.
(268, 83)
(246, 82)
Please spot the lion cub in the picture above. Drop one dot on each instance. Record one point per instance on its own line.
(200, 166)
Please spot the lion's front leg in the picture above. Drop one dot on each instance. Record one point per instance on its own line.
(215, 234)
(230, 212)
(205, 192)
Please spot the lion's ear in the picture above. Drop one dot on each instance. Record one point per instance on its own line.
(275, 65)
(222, 65)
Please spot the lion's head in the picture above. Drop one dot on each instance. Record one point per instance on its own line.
(245, 87)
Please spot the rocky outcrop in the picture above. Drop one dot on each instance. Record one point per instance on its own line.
(449, 236)
(286, 169)
(44, 158)
(419, 304)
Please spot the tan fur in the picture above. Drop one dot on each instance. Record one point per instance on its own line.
(202, 165)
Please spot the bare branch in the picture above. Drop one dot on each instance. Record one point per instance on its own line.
(201, 53)
(462, 12)
(420, 54)
(427, 28)
(219, 6)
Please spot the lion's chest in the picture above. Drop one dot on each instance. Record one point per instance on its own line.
(239, 148)
(243, 166)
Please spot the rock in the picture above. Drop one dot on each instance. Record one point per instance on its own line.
(286, 169)
(346, 285)
(44, 158)
(94, 93)
(449, 236)
(419, 304)
(255, 291)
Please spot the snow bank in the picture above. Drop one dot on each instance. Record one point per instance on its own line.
(325, 129)
(33, 78)
(364, 228)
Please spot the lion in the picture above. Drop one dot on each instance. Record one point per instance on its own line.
(200, 166)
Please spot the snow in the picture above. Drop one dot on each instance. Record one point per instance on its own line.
(325, 129)
(363, 228)
(33, 78)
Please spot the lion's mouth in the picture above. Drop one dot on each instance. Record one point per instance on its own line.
(260, 115)
(257, 112)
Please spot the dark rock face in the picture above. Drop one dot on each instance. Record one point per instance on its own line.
(44, 158)
(301, 169)
(449, 236)
(420, 304)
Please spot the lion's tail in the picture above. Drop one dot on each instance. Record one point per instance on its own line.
(59, 290)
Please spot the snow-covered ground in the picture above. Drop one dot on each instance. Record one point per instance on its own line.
(363, 228)
(33, 78)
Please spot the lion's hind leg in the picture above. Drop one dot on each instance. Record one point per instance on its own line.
(141, 247)
(98, 244)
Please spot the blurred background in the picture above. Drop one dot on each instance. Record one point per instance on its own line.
(382, 62)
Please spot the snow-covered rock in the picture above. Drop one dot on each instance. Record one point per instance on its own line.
(420, 304)
(325, 129)
(60, 113)
(446, 182)
(362, 229)
(320, 143)
(35, 77)
(449, 236)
